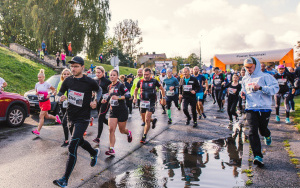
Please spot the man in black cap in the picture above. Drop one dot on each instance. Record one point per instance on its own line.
(79, 88)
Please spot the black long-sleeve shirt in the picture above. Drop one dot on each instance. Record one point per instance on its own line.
(185, 88)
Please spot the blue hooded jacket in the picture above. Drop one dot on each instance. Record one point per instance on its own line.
(259, 100)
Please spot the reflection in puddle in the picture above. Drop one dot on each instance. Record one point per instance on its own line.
(215, 163)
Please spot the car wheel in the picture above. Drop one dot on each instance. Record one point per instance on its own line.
(16, 116)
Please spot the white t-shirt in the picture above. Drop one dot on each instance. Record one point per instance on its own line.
(42, 90)
(1, 81)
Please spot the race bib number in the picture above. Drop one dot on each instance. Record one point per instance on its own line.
(105, 96)
(187, 88)
(232, 90)
(65, 104)
(75, 98)
(217, 81)
(249, 88)
(114, 102)
(282, 81)
(145, 104)
(41, 97)
(170, 93)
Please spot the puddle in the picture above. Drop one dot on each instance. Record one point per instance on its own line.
(214, 163)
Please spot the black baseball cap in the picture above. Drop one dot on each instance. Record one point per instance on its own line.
(77, 59)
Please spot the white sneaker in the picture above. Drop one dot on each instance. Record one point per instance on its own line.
(129, 115)
(292, 110)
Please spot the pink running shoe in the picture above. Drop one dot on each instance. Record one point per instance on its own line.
(129, 137)
(110, 152)
(58, 119)
(91, 121)
(36, 132)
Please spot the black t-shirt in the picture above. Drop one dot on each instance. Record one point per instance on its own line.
(103, 83)
(119, 90)
(148, 89)
(79, 96)
(233, 90)
(218, 80)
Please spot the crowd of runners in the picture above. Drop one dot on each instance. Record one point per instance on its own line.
(248, 91)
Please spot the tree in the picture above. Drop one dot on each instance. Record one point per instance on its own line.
(193, 60)
(128, 35)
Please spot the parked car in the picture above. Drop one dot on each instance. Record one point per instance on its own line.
(14, 108)
(33, 98)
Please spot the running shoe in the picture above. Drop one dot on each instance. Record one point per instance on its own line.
(179, 108)
(230, 122)
(58, 119)
(170, 121)
(222, 110)
(97, 140)
(143, 124)
(195, 124)
(214, 102)
(36, 132)
(63, 182)
(258, 161)
(277, 118)
(110, 152)
(66, 143)
(292, 111)
(164, 112)
(129, 136)
(268, 140)
(204, 116)
(143, 140)
(129, 115)
(84, 134)
(91, 121)
(188, 121)
(287, 120)
(154, 123)
(200, 117)
(94, 157)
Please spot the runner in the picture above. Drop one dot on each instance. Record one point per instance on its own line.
(101, 108)
(257, 89)
(41, 89)
(200, 94)
(211, 84)
(218, 79)
(118, 110)
(148, 85)
(128, 85)
(162, 77)
(283, 77)
(134, 84)
(171, 85)
(188, 87)
(63, 106)
(207, 76)
(241, 105)
(234, 89)
(79, 89)
(3, 84)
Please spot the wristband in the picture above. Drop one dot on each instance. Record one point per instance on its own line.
(120, 97)
(164, 97)
(260, 88)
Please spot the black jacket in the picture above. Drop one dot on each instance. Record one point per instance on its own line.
(194, 84)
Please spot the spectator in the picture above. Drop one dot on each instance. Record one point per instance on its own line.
(92, 68)
(44, 46)
(101, 58)
(135, 65)
(42, 54)
(70, 49)
(57, 58)
(63, 58)
(3, 84)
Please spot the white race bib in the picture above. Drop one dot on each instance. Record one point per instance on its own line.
(282, 81)
(65, 104)
(114, 102)
(187, 88)
(145, 104)
(170, 93)
(41, 97)
(232, 90)
(105, 96)
(75, 98)
(218, 81)
(249, 88)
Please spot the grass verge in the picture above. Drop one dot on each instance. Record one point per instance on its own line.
(296, 114)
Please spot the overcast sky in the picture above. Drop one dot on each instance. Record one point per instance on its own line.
(176, 27)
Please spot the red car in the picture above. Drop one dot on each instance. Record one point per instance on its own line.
(14, 108)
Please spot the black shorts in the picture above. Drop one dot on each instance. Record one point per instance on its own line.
(121, 114)
(151, 109)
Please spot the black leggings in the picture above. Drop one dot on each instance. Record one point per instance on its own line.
(64, 124)
(79, 128)
(218, 95)
(286, 98)
(231, 106)
(257, 121)
(102, 111)
(129, 105)
(193, 102)
(170, 99)
(213, 93)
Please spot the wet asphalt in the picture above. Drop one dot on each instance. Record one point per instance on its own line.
(28, 161)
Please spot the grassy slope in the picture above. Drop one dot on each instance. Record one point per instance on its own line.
(296, 114)
(123, 70)
(20, 73)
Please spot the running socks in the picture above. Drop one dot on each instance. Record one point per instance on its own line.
(169, 113)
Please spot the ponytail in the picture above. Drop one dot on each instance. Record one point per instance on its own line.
(42, 72)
